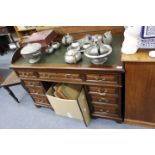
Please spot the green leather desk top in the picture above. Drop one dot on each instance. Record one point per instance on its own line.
(57, 58)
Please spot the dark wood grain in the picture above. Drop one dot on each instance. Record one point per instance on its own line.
(80, 31)
(140, 92)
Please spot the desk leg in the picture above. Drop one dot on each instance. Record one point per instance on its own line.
(11, 93)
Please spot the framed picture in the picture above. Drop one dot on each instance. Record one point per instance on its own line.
(147, 38)
(148, 32)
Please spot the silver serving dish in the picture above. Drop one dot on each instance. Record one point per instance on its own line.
(32, 52)
(98, 58)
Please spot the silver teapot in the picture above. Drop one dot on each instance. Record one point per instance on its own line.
(51, 48)
(67, 39)
(73, 56)
(97, 38)
(107, 38)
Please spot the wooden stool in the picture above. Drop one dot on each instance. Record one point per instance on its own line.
(11, 80)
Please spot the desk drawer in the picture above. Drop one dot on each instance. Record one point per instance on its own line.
(102, 78)
(57, 76)
(103, 90)
(27, 74)
(103, 99)
(32, 83)
(36, 90)
(106, 109)
(39, 99)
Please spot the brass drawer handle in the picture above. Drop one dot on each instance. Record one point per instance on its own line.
(68, 76)
(102, 91)
(99, 90)
(102, 94)
(35, 92)
(39, 100)
(105, 91)
(103, 100)
(101, 110)
(101, 79)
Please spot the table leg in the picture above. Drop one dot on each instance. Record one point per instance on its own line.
(11, 93)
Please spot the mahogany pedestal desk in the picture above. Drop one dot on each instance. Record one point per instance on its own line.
(139, 88)
(102, 83)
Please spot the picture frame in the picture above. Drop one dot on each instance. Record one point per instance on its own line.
(148, 32)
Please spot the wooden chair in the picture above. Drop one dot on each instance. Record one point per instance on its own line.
(11, 80)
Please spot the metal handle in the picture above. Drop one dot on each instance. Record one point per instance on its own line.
(104, 91)
(101, 110)
(107, 111)
(102, 94)
(68, 75)
(100, 79)
(34, 91)
(103, 100)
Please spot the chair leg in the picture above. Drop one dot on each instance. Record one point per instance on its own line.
(11, 93)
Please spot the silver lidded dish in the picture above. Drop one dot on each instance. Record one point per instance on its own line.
(32, 52)
(97, 57)
(74, 46)
(72, 56)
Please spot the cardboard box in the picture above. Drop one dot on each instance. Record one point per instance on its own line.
(77, 109)
(68, 91)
